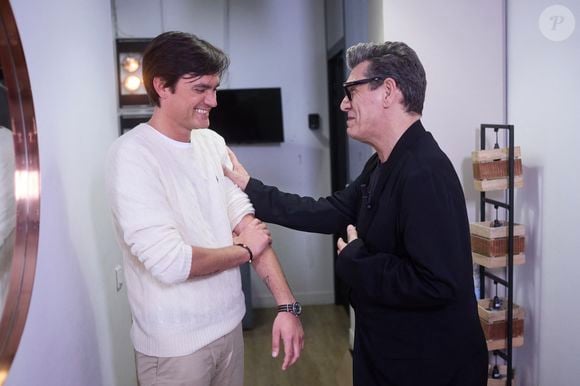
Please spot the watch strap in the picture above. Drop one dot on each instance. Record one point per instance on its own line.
(293, 308)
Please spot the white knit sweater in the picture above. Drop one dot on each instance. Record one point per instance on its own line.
(166, 198)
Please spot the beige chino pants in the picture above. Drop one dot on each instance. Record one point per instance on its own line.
(220, 363)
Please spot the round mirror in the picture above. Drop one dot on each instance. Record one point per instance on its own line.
(19, 190)
(7, 201)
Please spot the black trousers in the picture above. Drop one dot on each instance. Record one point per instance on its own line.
(470, 371)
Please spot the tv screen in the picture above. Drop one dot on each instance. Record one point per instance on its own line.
(252, 115)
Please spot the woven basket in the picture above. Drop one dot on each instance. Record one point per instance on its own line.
(495, 169)
(496, 247)
(498, 330)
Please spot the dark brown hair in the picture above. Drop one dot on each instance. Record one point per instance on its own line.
(172, 55)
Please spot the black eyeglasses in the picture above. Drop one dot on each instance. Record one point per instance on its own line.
(347, 85)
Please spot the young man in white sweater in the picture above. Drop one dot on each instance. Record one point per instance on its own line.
(184, 229)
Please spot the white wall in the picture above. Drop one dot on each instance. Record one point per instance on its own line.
(543, 95)
(292, 55)
(358, 25)
(270, 44)
(77, 327)
(461, 46)
(376, 22)
(334, 18)
(207, 19)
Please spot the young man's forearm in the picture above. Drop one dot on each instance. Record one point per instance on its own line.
(268, 268)
(251, 237)
(205, 261)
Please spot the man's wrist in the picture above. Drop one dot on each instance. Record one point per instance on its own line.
(251, 255)
(293, 308)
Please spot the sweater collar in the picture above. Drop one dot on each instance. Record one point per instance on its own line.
(166, 139)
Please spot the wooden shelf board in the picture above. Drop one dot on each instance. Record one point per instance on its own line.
(497, 261)
(497, 184)
(499, 344)
(483, 229)
(494, 154)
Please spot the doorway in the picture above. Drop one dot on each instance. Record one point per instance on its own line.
(338, 151)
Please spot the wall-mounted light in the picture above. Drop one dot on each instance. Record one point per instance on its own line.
(130, 78)
(131, 63)
(132, 84)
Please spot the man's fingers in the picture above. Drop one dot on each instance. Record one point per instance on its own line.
(297, 349)
(351, 233)
(289, 329)
(297, 343)
(340, 244)
(288, 354)
(275, 342)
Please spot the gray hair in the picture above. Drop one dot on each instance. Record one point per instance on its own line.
(397, 61)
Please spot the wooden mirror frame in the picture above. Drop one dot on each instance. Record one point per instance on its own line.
(26, 189)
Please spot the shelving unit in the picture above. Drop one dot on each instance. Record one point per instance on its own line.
(489, 244)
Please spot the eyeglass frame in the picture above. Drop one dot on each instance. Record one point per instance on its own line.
(346, 85)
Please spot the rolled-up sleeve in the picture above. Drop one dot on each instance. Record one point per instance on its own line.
(239, 204)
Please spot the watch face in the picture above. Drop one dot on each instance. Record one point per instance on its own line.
(296, 308)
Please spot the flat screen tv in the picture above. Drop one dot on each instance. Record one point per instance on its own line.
(252, 115)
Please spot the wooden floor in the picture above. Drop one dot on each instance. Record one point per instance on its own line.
(324, 361)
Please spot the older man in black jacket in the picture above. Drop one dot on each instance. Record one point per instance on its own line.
(407, 258)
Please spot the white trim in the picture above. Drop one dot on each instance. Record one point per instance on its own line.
(351, 328)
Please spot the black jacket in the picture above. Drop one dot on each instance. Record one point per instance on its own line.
(410, 271)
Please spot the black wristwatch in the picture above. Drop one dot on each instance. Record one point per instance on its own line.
(294, 308)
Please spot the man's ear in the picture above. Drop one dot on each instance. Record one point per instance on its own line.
(160, 88)
(390, 91)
